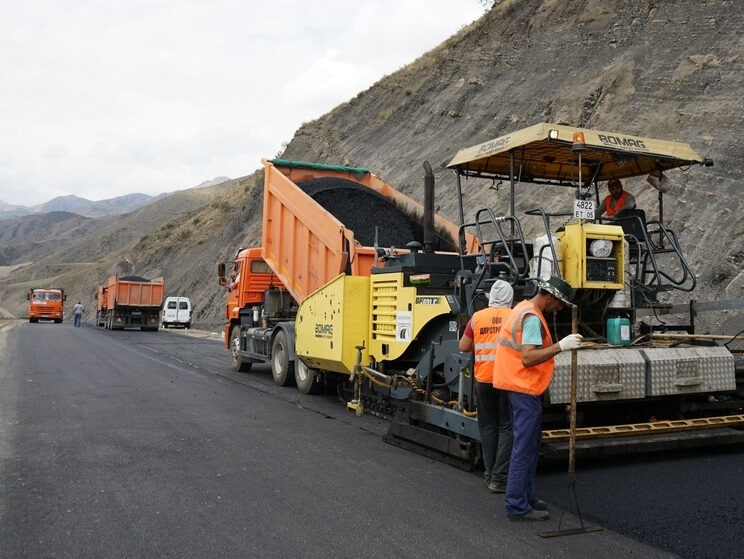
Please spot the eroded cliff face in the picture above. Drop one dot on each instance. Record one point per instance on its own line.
(668, 70)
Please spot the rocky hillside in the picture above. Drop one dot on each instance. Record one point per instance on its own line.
(670, 70)
(29, 238)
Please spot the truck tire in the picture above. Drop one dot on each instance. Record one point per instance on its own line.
(238, 363)
(33, 320)
(281, 366)
(307, 379)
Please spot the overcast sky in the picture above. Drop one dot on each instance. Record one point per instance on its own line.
(103, 98)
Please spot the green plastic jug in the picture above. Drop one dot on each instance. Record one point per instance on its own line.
(618, 331)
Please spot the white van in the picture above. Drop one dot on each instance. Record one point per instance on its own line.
(177, 312)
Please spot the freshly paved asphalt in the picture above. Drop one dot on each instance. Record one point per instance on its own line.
(137, 444)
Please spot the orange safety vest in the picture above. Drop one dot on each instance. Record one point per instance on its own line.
(508, 372)
(486, 325)
(619, 206)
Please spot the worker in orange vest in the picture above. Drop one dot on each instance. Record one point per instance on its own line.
(524, 368)
(617, 200)
(494, 419)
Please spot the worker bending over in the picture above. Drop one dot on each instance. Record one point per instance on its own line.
(494, 418)
(617, 200)
(524, 368)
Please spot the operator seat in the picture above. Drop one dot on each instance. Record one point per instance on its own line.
(633, 223)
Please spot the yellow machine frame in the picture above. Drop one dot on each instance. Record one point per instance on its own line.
(376, 311)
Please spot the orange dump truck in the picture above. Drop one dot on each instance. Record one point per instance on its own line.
(324, 224)
(129, 302)
(46, 304)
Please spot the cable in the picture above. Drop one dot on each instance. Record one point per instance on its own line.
(732, 339)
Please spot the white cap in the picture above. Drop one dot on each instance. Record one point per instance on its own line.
(501, 294)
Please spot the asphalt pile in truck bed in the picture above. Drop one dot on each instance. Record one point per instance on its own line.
(361, 210)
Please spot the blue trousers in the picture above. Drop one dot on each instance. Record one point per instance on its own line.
(78, 317)
(526, 411)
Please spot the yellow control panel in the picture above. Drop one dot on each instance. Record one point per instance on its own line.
(593, 255)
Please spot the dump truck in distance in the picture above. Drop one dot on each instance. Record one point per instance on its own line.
(129, 302)
(46, 304)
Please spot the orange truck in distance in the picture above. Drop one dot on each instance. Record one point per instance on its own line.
(46, 304)
(129, 302)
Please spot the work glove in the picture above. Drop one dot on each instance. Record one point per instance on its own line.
(572, 341)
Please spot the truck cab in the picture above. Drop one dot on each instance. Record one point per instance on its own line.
(177, 312)
(258, 305)
(46, 304)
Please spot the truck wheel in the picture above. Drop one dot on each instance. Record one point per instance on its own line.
(281, 367)
(238, 363)
(33, 320)
(307, 378)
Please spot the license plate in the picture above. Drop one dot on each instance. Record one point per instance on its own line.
(584, 209)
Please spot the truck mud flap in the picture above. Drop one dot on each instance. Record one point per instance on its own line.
(441, 447)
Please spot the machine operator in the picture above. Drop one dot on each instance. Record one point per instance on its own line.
(617, 200)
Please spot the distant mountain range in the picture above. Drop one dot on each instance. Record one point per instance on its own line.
(90, 208)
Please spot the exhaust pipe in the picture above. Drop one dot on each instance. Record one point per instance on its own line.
(428, 208)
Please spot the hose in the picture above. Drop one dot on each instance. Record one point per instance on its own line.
(451, 404)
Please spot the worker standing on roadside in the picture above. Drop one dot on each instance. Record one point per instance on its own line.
(494, 418)
(524, 367)
(617, 200)
(77, 313)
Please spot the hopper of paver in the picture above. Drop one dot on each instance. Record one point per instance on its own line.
(320, 221)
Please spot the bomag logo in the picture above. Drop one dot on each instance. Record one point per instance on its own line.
(324, 330)
(494, 144)
(621, 142)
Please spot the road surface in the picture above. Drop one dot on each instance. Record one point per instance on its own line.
(144, 444)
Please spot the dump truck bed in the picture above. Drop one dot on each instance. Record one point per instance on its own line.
(307, 246)
(130, 293)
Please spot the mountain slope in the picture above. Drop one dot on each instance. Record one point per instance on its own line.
(671, 70)
(29, 238)
(85, 207)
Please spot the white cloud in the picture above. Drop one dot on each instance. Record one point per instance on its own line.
(101, 99)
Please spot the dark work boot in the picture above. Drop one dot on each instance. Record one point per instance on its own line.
(532, 516)
(497, 487)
